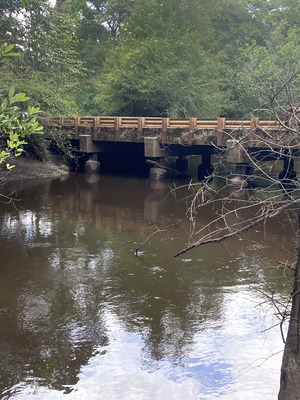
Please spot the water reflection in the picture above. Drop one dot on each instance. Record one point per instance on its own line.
(82, 317)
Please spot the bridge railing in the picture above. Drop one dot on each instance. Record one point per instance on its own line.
(159, 122)
(163, 124)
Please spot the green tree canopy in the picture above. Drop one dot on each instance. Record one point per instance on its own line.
(144, 57)
(260, 85)
(49, 67)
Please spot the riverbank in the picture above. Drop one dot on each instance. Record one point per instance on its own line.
(26, 168)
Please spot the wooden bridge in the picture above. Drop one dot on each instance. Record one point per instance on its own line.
(158, 138)
(168, 130)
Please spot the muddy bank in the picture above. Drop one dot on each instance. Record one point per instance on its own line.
(25, 168)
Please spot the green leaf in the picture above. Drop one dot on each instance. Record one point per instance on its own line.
(11, 92)
(8, 166)
(35, 125)
(12, 55)
(39, 130)
(33, 110)
(19, 97)
(8, 48)
(4, 104)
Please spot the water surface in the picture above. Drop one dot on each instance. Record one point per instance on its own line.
(83, 317)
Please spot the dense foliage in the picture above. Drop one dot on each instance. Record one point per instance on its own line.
(178, 58)
(16, 125)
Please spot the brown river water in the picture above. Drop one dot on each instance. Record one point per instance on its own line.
(83, 317)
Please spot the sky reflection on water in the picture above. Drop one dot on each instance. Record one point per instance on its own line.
(233, 362)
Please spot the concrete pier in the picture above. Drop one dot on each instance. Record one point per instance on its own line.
(205, 169)
(92, 165)
(288, 176)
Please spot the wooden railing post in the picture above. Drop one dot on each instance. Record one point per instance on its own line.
(141, 123)
(76, 125)
(117, 124)
(192, 126)
(96, 123)
(221, 123)
(164, 130)
(253, 126)
(60, 122)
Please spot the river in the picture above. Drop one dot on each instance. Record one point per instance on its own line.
(83, 317)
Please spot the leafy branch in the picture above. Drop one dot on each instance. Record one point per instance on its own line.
(15, 124)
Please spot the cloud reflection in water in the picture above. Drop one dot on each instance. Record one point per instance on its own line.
(222, 363)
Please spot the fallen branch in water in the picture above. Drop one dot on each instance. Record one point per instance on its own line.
(266, 216)
(159, 165)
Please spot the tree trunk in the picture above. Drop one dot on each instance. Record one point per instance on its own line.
(290, 369)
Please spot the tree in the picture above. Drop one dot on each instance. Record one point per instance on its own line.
(160, 65)
(160, 77)
(9, 24)
(111, 13)
(49, 67)
(270, 65)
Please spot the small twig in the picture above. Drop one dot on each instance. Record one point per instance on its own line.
(9, 200)
(146, 240)
(286, 265)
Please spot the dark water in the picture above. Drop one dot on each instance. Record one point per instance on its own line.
(81, 317)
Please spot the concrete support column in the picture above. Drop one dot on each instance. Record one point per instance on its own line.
(242, 173)
(243, 168)
(158, 174)
(86, 145)
(288, 176)
(236, 153)
(92, 165)
(182, 164)
(205, 169)
(152, 148)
